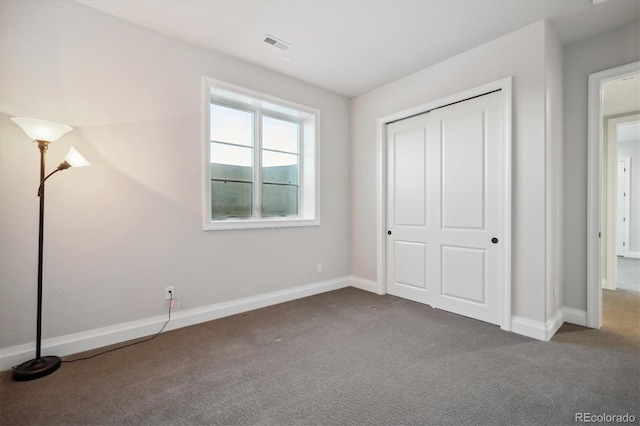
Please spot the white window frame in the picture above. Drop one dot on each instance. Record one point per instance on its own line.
(309, 155)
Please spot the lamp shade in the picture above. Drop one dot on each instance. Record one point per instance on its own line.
(41, 130)
(75, 159)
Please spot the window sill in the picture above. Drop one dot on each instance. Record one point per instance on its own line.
(285, 222)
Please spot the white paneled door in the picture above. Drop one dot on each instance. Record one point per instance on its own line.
(622, 208)
(444, 207)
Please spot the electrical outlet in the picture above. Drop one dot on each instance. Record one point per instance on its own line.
(319, 267)
(168, 292)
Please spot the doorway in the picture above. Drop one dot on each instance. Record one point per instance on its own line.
(627, 202)
(444, 215)
(621, 144)
(604, 124)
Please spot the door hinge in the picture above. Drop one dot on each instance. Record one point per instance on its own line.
(599, 234)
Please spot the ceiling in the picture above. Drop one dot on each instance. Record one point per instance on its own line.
(353, 46)
(621, 96)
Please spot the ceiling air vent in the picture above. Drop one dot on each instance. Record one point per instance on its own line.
(276, 42)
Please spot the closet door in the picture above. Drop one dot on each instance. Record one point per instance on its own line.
(409, 209)
(444, 208)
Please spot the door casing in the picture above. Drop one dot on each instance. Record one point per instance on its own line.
(595, 188)
(505, 87)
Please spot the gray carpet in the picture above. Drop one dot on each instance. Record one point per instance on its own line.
(628, 274)
(344, 357)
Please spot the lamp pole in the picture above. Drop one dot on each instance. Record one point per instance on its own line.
(43, 146)
(39, 366)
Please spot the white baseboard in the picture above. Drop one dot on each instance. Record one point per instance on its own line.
(363, 284)
(545, 331)
(574, 316)
(92, 339)
(605, 286)
(634, 254)
(536, 329)
(528, 327)
(553, 325)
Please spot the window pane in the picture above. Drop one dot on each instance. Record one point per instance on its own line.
(230, 199)
(279, 168)
(279, 135)
(232, 155)
(279, 200)
(228, 172)
(231, 125)
(230, 164)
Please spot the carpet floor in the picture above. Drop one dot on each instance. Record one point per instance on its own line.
(345, 357)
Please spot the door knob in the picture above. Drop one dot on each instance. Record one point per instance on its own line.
(494, 240)
(389, 232)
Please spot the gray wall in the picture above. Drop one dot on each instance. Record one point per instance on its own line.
(120, 231)
(581, 59)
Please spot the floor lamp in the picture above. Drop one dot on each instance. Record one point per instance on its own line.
(43, 133)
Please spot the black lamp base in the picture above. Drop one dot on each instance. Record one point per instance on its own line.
(36, 368)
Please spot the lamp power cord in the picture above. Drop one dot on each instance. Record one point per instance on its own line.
(129, 344)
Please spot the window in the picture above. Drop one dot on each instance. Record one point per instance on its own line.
(260, 160)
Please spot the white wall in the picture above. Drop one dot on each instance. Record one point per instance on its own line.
(520, 54)
(120, 231)
(581, 59)
(631, 149)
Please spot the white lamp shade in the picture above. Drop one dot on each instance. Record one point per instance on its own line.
(41, 130)
(75, 159)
